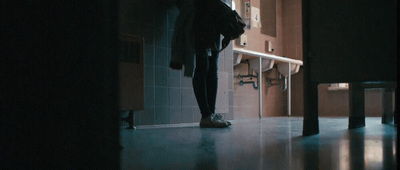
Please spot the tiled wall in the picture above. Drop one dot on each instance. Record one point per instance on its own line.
(292, 45)
(246, 97)
(255, 39)
(169, 96)
(246, 101)
(292, 41)
(336, 103)
(298, 93)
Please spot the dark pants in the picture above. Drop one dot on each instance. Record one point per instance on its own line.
(205, 80)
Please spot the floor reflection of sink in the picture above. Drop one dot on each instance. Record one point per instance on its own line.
(283, 68)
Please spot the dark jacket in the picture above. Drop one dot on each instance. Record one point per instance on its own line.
(194, 30)
(183, 43)
(206, 36)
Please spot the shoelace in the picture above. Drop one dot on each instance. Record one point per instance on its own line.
(219, 116)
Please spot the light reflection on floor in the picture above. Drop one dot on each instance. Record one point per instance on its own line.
(373, 153)
(270, 143)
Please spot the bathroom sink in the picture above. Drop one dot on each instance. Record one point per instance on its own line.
(283, 68)
(267, 64)
(237, 58)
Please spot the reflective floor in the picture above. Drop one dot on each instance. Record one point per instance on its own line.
(270, 143)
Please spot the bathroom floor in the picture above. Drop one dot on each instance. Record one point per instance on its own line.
(270, 143)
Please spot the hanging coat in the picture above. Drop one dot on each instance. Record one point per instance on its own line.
(183, 41)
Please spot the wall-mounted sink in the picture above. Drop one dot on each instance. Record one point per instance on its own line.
(237, 58)
(267, 64)
(283, 68)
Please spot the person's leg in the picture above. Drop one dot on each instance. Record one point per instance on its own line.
(212, 74)
(212, 81)
(212, 85)
(199, 82)
(205, 82)
(205, 90)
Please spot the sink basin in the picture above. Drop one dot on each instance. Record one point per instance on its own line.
(237, 58)
(267, 64)
(283, 68)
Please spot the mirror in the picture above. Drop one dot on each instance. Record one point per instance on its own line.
(268, 17)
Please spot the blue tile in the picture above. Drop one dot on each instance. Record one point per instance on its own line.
(161, 56)
(230, 82)
(187, 115)
(186, 82)
(149, 96)
(168, 56)
(196, 114)
(170, 35)
(161, 115)
(221, 54)
(228, 65)
(174, 78)
(147, 116)
(231, 97)
(161, 96)
(175, 115)
(161, 37)
(161, 76)
(187, 97)
(149, 75)
(175, 97)
(194, 101)
(228, 51)
(136, 119)
(221, 65)
(230, 115)
(149, 55)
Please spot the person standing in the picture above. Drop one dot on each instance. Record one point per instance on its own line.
(205, 79)
(196, 43)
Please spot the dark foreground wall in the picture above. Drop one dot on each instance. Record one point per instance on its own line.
(351, 41)
(59, 85)
(347, 41)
